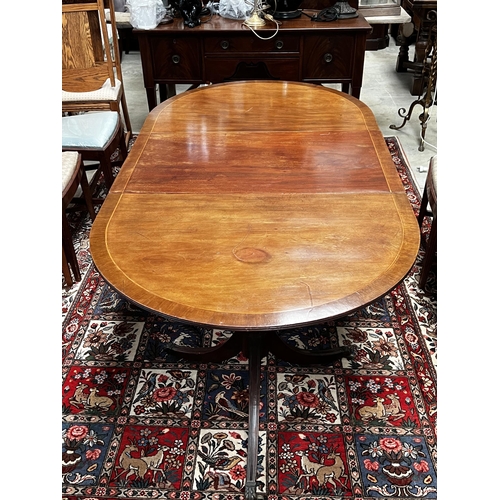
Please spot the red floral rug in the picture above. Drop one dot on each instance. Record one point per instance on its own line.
(141, 423)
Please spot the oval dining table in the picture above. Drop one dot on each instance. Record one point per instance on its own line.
(255, 207)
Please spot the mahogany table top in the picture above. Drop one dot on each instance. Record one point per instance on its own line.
(256, 206)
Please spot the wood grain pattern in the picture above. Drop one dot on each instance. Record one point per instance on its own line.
(84, 65)
(256, 205)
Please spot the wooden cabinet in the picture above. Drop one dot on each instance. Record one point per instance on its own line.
(176, 58)
(224, 50)
(229, 46)
(329, 57)
(238, 57)
(424, 18)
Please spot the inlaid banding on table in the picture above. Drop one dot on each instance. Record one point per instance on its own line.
(301, 220)
(251, 255)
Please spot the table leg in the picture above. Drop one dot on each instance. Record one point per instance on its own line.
(163, 91)
(217, 354)
(151, 96)
(171, 90)
(255, 345)
(356, 92)
(254, 355)
(404, 52)
(290, 354)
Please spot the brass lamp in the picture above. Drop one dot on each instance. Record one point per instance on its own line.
(255, 21)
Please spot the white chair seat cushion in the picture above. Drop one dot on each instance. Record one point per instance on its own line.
(69, 163)
(89, 130)
(105, 93)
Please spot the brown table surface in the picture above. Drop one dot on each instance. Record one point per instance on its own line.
(256, 205)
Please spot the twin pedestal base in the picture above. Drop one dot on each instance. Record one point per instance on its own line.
(256, 345)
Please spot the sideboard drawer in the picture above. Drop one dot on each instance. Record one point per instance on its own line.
(328, 57)
(219, 69)
(244, 44)
(176, 58)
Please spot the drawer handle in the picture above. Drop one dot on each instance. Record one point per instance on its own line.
(224, 44)
(176, 59)
(279, 44)
(328, 57)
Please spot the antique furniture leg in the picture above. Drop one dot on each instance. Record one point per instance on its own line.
(69, 250)
(424, 19)
(163, 91)
(430, 72)
(290, 354)
(430, 253)
(65, 269)
(255, 347)
(151, 97)
(405, 37)
(429, 200)
(254, 368)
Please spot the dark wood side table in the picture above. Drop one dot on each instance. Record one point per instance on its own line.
(222, 50)
(424, 18)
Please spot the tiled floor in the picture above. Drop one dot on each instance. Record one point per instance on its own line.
(384, 90)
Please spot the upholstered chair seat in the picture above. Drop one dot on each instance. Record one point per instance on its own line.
(89, 130)
(96, 136)
(73, 176)
(106, 93)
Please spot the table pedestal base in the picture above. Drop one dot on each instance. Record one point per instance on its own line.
(256, 345)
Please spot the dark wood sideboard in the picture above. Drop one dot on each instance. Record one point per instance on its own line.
(222, 50)
(424, 18)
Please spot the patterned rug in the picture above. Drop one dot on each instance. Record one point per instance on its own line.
(141, 423)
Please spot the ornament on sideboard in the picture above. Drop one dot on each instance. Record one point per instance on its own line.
(345, 10)
(145, 14)
(190, 10)
(287, 9)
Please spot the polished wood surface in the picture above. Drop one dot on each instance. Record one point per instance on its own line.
(222, 50)
(256, 206)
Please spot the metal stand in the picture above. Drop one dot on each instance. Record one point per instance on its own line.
(255, 21)
(429, 72)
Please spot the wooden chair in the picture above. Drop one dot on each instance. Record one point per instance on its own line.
(96, 136)
(91, 70)
(68, 278)
(429, 200)
(73, 175)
